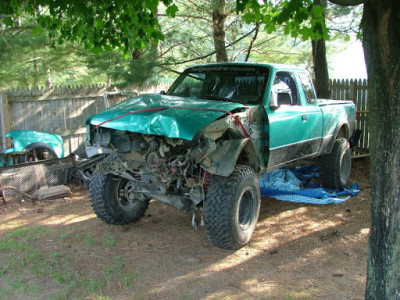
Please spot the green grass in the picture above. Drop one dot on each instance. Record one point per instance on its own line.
(109, 240)
(89, 241)
(95, 285)
(31, 267)
(63, 236)
(185, 296)
(11, 245)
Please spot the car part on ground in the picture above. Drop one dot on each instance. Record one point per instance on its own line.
(31, 145)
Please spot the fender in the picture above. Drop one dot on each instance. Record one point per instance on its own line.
(342, 130)
(22, 139)
(43, 146)
(224, 159)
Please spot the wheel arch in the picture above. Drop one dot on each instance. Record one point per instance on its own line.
(229, 153)
(342, 131)
(248, 156)
(48, 147)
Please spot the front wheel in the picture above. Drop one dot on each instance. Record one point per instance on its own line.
(231, 208)
(336, 166)
(114, 201)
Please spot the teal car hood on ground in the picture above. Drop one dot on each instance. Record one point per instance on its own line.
(181, 118)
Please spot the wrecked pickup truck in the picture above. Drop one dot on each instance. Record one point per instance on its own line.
(200, 146)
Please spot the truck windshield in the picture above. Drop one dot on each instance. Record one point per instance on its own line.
(242, 84)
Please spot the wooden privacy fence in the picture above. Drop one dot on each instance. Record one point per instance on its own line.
(356, 90)
(62, 110)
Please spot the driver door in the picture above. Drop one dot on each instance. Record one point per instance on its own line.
(291, 124)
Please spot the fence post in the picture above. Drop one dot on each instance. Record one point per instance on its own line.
(5, 124)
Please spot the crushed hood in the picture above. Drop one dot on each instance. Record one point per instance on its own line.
(182, 118)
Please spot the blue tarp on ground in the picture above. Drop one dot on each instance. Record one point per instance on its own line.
(295, 186)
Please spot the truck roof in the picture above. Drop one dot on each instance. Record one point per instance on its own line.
(272, 66)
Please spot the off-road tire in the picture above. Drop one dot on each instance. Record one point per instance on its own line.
(231, 208)
(336, 166)
(107, 203)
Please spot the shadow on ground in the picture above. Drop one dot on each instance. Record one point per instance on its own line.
(61, 250)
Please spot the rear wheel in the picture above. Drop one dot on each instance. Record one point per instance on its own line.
(336, 166)
(231, 208)
(114, 201)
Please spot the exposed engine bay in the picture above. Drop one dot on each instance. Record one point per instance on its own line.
(172, 170)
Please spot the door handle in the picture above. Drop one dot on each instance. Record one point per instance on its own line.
(304, 118)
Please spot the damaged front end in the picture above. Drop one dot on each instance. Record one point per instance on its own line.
(157, 167)
(193, 148)
(174, 171)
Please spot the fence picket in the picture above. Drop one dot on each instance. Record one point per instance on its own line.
(357, 91)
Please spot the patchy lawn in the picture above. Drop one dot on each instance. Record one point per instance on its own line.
(59, 249)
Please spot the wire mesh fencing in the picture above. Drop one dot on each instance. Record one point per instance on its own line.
(15, 181)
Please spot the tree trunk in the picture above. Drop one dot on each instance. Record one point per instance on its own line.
(218, 17)
(320, 69)
(381, 32)
(320, 63)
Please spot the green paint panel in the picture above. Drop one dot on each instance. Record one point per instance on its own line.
(24, 138)
(176, 121)
(287, 125)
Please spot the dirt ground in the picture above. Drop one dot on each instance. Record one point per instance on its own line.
(298, 251)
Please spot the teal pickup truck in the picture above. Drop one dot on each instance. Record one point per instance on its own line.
(201, 145)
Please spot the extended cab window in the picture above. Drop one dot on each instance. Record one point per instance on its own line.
(242, 84)
(286, 88)
(308, 88)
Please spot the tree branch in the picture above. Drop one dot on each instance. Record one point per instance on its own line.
(6, 42)
(16, 29)
(265, 41)
(211, 53)
(275, 52)
(198, 7)
(347, 2)
(184, 16)
(170, 48)
(252, 42)
(170, 70)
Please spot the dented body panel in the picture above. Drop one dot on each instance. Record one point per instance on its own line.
(163, 115)
(213, 118)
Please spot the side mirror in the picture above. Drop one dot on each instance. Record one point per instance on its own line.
(163, 93)
(273, 101)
